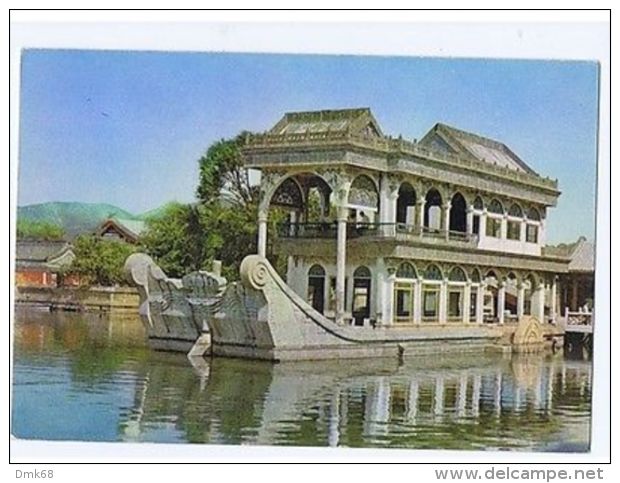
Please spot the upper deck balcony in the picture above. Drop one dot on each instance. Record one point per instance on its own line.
(400, 232)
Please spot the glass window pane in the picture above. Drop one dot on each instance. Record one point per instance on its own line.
(404, 303)
(454, 304)
(431, 302)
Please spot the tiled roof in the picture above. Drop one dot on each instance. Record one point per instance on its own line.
(39, 250)
(464, 143)
(335, 120)
(132, 229)
(582, 257)
(580, 253)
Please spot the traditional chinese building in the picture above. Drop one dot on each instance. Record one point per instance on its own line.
(38, 263)
(125, 230)
(386, 232)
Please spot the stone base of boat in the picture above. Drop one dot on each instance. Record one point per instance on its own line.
(261, 317)
(356, 351)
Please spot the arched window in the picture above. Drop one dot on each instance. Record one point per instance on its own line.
(513, 228)
(515, 210)
(456, 294)
(361, 272)
(316, 270)
(433, 272)
(363, 192)
(475, 276)
(494, 224)
(496, 207)
(430, 294)
(533, 214)
(316, 287)
(457, 275)
(458, 213)
(432, 210)
(361, 294)
(404, 293)
(405, 204)
(478, 204)
(406, 270)
(288, 195)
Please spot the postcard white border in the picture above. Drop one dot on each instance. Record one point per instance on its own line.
(563, 35)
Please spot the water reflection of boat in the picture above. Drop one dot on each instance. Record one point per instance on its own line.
(422, 403)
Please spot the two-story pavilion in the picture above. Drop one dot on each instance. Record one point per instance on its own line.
(388, 232)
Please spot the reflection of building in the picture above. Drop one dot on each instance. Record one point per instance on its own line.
(38, 262)
(388, 232)
(121, 229)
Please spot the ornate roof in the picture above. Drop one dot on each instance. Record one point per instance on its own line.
(42, 253)
(580, 253)
(128, 229)
(446, 138)
(355, 121)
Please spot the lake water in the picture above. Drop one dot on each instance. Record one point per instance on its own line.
(90, 377)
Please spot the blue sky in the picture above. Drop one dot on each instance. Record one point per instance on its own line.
(127, 128)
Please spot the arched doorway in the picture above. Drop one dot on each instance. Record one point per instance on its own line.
(458, 214)
(316, 288)
(363, 199)
(405, 205)
(361, 295)
(490, 297)
(432, 210)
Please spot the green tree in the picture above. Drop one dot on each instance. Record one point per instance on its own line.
(221, 226)
(98, 261)
(175, 239)
(39, 230)
(223, 176)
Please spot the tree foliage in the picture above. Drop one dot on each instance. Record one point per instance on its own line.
(223, 177)
(98, 261)
(39, 230)
(221, 226)
(175, 239)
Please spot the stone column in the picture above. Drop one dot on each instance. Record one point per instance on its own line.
(523, 230)
(469, 220)
(553, 301)
(341, 264)
(574, 294)
(538, 303)
(445, 219)
(262, 233)
(501, 301)
(466, 302)
(417, 302)
(480, 303)
(419, 208)
(520, 300)
(378, 292)
(443, 302)
(387, 212)
(483, 225)
(390, 229)
(503, 232)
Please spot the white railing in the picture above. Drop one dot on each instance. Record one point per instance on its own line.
(578, 321)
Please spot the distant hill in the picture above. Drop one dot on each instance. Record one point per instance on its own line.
(74, 217)
(154, 213)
